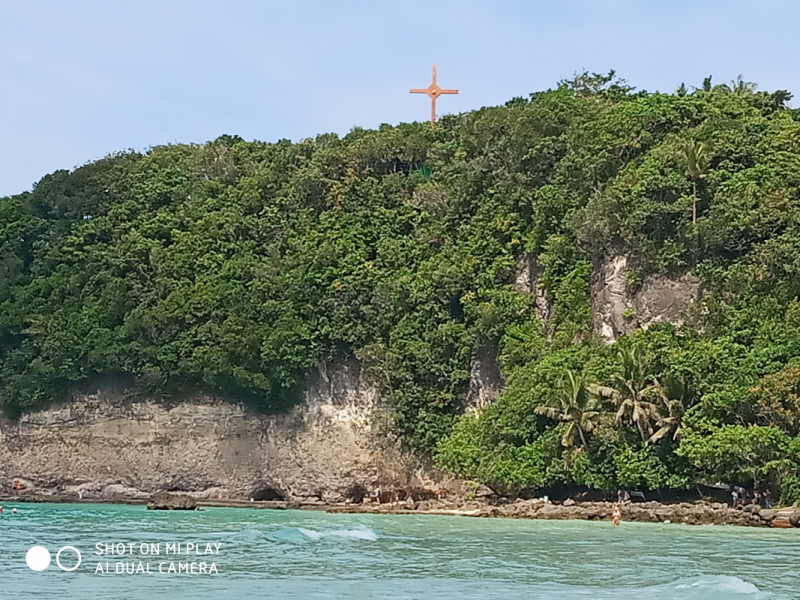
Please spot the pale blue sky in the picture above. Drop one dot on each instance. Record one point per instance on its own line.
(84, 78)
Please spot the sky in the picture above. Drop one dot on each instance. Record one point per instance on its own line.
(82, 79)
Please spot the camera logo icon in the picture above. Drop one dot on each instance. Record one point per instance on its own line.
(38, 558)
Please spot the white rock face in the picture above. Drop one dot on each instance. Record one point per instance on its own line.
(526, 281)
(619, 311)
(486, 379)
(325, 446)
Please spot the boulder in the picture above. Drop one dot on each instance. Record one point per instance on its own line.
(167, 501)
(767, 514)
(794, 518)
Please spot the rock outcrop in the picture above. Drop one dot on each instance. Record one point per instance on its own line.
(486, 379)
(115, 444)
(167, 501)
(526, 281)
(699, 513)
(620, 308)
(685, 513)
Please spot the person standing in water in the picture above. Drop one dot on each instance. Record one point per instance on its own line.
(616, 516)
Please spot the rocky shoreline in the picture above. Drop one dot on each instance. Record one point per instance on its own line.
(699, 513)
(696, 513)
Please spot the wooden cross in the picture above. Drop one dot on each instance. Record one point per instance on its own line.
(433, 91)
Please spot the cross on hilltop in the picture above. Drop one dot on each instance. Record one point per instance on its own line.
(433, 91)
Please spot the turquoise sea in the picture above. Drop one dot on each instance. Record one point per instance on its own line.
(307, 554)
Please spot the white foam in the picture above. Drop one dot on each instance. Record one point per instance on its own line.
(721, 583)
(361, 534)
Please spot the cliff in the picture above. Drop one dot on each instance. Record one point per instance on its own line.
(620, 306)
(334, 445)
(329, 446)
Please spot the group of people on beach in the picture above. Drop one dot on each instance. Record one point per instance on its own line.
(741, 496)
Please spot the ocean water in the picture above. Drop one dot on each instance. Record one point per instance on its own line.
(314, 555)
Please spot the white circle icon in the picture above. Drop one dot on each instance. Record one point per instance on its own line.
(58, 558)
(38, 558)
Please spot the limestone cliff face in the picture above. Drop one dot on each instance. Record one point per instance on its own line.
(330, 445)
(526, 281)
(618, 310)
(486, 379)
(618, 307)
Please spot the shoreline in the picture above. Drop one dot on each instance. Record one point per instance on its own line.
(697, 513)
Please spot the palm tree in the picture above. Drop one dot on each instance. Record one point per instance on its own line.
(673, 396)
(741, 87)
(631, 391)
(575, 405)
(780, 98)
(697, 159)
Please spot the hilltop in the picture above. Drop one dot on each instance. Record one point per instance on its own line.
(623, 265)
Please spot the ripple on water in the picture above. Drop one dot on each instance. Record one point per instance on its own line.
(277, 554)
(358, 534)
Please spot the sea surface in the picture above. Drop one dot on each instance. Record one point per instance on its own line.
(309, 554)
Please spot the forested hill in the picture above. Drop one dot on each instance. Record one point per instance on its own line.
(236, 266)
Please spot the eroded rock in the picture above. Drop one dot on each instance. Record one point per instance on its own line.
(167, 501)
(112, 442)
(621, 306)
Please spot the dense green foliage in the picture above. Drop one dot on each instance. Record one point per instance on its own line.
(236, 266)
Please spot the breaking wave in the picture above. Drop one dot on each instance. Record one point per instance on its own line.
(726, 584)
(704, 587)
(360, 533)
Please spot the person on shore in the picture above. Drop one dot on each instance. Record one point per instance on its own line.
(616, 515)
(378, 495)
(767, 498)
(734, 497)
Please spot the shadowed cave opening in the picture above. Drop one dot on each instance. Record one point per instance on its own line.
(267, 493)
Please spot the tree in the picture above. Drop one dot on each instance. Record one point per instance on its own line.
(741, 87)
(672, 397)
(737, 453)
(631, 391)
(697, 161)
(576, 406)
(780, 98)
(778, 397)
